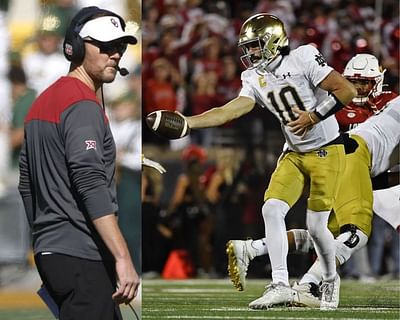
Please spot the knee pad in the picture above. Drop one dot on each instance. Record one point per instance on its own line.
(349, 242)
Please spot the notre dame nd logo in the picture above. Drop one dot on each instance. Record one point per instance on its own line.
(322, 153)
(320, 60)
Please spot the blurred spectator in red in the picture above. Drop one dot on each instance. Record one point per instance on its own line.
(160, 91)
(204, 94)
(229, 82)
(203, 97)
(341, 53)
(209, 57)
(280, 8)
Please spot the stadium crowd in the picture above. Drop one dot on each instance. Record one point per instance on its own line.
(191, 63)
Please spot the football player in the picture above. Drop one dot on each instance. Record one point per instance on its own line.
(376, 140)
(300, 89)
(364, 71)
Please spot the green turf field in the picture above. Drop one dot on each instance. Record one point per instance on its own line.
(216, 299)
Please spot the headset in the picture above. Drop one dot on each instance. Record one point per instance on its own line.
(73, 46)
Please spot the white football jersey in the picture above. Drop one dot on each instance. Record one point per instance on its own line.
(381, 132)
(294, 82)
(387, 205)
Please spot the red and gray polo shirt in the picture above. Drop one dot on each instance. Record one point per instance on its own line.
(67, 166)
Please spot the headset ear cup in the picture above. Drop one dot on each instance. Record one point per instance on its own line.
(73, 48)
(79, 50)
(67, 46)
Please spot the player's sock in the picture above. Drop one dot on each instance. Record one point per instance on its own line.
(317, 223)
(313, 275)
(260, 245)
(274, 212)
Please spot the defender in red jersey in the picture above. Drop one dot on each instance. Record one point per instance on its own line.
(364, 72)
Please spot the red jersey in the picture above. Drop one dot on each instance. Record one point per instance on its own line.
(159, 95)
(352, 115)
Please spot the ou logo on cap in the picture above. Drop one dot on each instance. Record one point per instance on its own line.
(114, 22)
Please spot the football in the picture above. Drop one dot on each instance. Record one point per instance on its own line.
(167, 124)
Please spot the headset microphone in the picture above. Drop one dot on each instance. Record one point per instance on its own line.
(122, 71)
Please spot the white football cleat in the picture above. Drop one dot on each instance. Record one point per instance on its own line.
(330, 294)
(276, 294)
(240, 253)
(307, 295)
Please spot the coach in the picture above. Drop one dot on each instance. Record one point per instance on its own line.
(67, 166)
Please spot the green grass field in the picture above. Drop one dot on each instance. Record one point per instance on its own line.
(216, 299)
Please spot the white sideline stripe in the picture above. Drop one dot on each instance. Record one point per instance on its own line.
(240, 318)
(153, 282)
(247, 317)
(189, 290)
(355, 309)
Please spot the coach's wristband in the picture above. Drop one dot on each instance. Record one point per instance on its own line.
(328, 107)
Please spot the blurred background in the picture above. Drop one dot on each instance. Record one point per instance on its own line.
(31, 58)
(215, 181)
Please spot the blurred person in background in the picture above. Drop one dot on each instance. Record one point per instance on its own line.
(46, 64)
(203, 96)
(188, 211)
(384, 250)
(6, 103)
(156, 236)
(126, 127)
(160, 91)
(226, 193)
(23, 97)
(67, 166)
(229, 82)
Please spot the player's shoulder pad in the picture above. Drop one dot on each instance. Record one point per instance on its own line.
(247, 75)
(305, 52)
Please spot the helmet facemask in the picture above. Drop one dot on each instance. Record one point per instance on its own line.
(366, 89)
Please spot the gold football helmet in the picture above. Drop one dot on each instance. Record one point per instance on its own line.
(261, 38)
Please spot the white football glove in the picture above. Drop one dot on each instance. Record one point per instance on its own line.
(153, 164)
